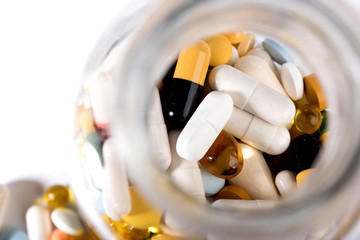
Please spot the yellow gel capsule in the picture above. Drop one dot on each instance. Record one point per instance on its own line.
(235, 37)
(141, 216)
(193, 63)
(233, 192)
(307, 119)
(224, 159)
(314, 92)
(302, 176)
(246, 44)
(221, 50)
(56, 196)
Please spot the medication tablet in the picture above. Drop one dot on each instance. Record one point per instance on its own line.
(68, 221)
(204, 126)
(285, 183)
(265, 55)
(101, 96)
(13, 234)
(220, 48)
(57, 234)
(235, 56)
(235, 37)
(255, 177)
(212, 184)
(314, 93)
(38, 224)
(276, 51)
(303, 175)
(246, 44)
(292, 81)
(257, 68)
(116, 194)
(232, 192)
(94, 165)
(243, 205)
(4, 200)
(252, 96)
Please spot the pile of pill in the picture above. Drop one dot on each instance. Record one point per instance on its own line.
(235, 123)
(53, 217)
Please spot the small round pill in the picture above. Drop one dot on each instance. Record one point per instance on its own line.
(246, 44)
(232, 192)
(221, 50)
(303, 175)
(212, 184)
(68, 221)
(235, 37)
(276, 51)
(314, 92)
(56, 196)
(307, 119)
(292, 81)
(224, 158)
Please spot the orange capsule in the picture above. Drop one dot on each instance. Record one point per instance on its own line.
(59, 235)
(224, 158)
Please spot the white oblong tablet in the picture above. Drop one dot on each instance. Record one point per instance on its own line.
(68, 221)
(116, 193)
(292, 81)
(38, 224)
(243, 205)
(265, 55)
(204, 126)
(158, 132)
(285, 183)
(235, 56)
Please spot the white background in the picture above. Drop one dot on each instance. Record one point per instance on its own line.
(43, 47)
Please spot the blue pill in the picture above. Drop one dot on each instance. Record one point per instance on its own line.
(212, 184)
(277, 52)
(13, 234)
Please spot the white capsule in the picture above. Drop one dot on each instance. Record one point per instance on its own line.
(184, 173)
(235, 56)
(101, 96)
(252, 96)
(292, 81)
(204, 126)
(243, 205)
(264, 55)
(285, 183)
(116, 194)
(258, 68)
(38, 223)
(258, 133)
(93, 165)
(255, 177)
(68, 221)
(4, 200)
(158, 132)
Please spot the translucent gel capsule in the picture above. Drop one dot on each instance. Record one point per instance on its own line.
(224, 158)
(307, 119)
(324, 119)
(142, 215)
(56, 196)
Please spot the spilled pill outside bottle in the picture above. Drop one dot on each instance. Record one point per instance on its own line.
(171, 199)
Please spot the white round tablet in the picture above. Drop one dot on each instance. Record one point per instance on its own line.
(68, 221)
(292, 81)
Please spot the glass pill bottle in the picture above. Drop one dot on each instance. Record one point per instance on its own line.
(126, 183)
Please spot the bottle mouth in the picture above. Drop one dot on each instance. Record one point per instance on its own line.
(321, 43)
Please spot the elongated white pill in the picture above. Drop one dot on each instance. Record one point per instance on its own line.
(38, 224)
(265, 55)
(116, 193)
(235, 56)
(252, 96)
(158, 132)
(255, 176)
(257, 132)
(257, 68)
(285, 183)
(204, 126)
(4, 200)
(292, 81)
(68, 221)
(184, 173)
(101, 96)
(243, 205)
